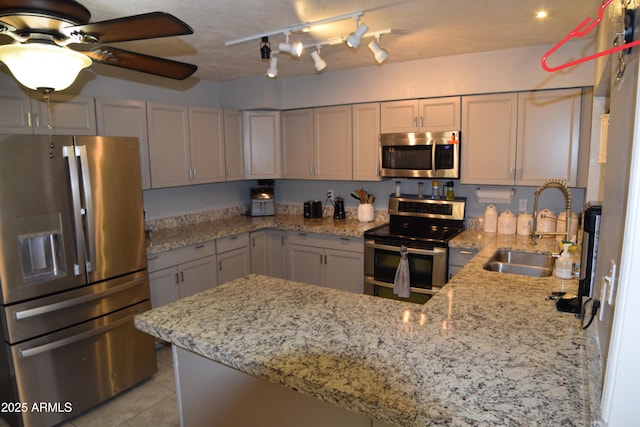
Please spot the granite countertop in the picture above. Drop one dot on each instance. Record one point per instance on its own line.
(486, 350)
(177, 237)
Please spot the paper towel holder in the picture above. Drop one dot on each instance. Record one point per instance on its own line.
(495, 195)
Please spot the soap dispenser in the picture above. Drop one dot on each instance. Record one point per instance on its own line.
(564, 264)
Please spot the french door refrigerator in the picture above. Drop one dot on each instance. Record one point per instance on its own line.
(73, 273)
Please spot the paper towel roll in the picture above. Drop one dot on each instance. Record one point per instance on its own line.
(494, 196)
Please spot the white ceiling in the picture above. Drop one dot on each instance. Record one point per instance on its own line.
(421, 29)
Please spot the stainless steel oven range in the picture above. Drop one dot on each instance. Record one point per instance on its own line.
(422, 225)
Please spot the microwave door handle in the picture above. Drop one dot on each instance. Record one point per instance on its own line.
(81, 152)
(68, 152)
(432, 252)
(433, 158)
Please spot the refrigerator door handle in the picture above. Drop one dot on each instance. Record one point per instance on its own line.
(72, 339)
(81, 152)
(61, 305)
(68, 152)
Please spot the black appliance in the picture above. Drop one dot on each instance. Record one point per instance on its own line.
(422, 225)
(313, 209)
(590, 235)
(338, 209)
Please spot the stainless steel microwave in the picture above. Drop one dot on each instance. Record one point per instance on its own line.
(420, 155)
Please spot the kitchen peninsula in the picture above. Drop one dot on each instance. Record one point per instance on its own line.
(487, 350)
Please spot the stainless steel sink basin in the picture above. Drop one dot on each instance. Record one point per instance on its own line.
(522, 263)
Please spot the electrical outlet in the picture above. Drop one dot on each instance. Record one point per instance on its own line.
(522, 205)
(330, 195)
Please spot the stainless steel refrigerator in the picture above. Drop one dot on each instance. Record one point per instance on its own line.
(73, 273)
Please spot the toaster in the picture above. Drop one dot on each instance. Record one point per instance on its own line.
(313, 209)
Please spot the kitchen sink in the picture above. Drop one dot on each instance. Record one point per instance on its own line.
(523, 263)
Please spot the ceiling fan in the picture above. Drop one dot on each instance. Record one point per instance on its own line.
(51, 31)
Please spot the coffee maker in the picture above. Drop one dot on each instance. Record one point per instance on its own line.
(338, 208)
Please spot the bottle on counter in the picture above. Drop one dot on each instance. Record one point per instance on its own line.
(435, 189)
(450, 194)
(564, 264)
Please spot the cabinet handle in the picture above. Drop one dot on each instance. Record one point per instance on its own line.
(512, 173)
(153, 257)
(199, 247)
(345, 238)
(325, 260)
(37, 117)
(182, 276)
(29, 119)
(219, 265)
(377, 171)
(421, 121)
(320, 258)
(519, 173)
(177, 279)
(253, 242)
(282, 238)
(302, 234)
(233, 237)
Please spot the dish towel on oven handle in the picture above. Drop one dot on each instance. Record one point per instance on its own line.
(402, 281)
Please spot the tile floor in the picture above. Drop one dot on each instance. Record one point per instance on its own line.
(151, 403)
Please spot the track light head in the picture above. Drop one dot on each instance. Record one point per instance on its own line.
(319, 63)
(265, 48)
(354, 38)
(379, 53)
(272, 71)
(293, 49)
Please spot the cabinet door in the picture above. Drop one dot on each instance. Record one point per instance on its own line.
(306, 264)
(197, 276)
(117, 117)
(168, 145)
(488, 147)
(277, 254)
(548, 136)
(259, 253)
(344, 270)
(366, 141)
(233, 145)
(164, 286)
(440, 114)
(67, 114)
(234, 264)
(15, 112)
(206, 145)
(333, 143)
(297, 144)
(262, 144)
(399, 116)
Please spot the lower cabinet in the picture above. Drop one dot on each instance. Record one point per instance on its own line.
(332, 261)
(458, 257)
(234, 257)
(268, 255)
(181, 272)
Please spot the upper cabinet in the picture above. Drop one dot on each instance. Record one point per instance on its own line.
(233, 145)
(366, 136)
(262, 144)
(420, 115)
(62, 115)
(521, 139)
(116, 117)
(186, 145)
(317, 143)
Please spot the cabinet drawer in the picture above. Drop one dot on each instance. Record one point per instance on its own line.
(460, 256)
(178, 256)
(225, 244)
(345, 243)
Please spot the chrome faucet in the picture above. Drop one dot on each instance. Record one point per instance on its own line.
(562, 186)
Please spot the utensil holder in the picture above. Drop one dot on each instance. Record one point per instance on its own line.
(365, 212)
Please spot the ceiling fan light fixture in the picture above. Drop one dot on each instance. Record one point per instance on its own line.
(378, 53)
(272, 71)
(319, 63)
(42, 65)
(354, 38)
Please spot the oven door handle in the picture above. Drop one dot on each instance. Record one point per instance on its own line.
(431, 291)
(433, 252)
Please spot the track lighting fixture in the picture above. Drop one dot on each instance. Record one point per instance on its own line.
(379, 53)
(293, 49)
(265, 48)
(354, 38)
(272, 71)
(319, 63)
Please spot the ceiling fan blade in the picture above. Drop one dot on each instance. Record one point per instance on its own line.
(141, 62)
(136, 27)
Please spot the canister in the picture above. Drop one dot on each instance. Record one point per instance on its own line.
(490, 224)
(525, 222)
(507, 223)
